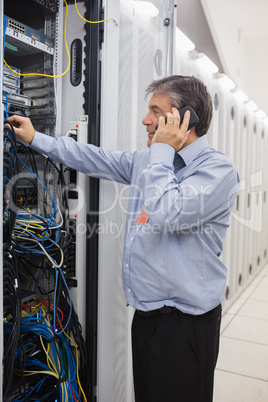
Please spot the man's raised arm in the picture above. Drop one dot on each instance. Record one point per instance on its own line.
(23, 127)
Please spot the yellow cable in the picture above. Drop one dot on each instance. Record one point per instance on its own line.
(51, 364)
(66, 46)
(67, 50)
(53, 368)
(48, 350)
(77, 373)
(30, 372)
(23, 230)
(91, 22)
(42, 372)
(37, 221)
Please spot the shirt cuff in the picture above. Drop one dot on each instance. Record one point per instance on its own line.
(41, 142)
(161, 153)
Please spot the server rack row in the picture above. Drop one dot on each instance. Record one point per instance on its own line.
(240, 130)
(237, 130)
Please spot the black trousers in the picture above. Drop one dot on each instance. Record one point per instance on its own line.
(174, 356)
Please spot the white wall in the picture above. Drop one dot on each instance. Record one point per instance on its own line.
(255, 79)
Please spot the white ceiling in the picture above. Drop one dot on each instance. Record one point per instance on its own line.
(249, 16)
(234, 34)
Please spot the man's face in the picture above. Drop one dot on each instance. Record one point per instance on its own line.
(158, 106)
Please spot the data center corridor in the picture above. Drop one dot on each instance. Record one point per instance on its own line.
(242, 369)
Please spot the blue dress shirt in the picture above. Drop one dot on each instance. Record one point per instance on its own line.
(178, 212)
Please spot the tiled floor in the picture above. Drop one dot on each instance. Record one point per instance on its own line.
(242, 369)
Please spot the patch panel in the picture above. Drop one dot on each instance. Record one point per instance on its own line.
(16, 26)
(20, 38)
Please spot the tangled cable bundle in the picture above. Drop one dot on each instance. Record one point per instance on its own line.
(44, 350)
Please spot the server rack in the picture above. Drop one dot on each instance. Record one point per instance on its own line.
(240, 131)
(35, 37)
(138, 47)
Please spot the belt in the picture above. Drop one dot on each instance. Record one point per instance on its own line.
(159, 311)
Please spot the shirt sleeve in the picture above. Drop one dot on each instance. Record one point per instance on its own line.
(206, 195)
(86, 158)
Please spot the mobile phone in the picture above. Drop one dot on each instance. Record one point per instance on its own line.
(194, 119)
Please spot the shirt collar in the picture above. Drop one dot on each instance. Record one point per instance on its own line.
(189, 153)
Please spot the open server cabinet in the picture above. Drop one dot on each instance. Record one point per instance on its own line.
(49, 297)
(66, 327)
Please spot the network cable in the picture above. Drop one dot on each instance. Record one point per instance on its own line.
(40, 335)
(65, 42)
(67, 51)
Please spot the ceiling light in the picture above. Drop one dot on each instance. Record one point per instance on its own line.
(206, 64)
(184, 43)
(146, 8)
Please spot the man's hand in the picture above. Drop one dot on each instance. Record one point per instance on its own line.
(172, 133)
(23, 127)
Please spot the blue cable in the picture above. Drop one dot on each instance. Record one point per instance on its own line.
(71, 306)
(46, 332)
(55, 294)
(6, 108)
(38, 386)
(25, 231)
(4, 40)
(44, 187)
(55, 241)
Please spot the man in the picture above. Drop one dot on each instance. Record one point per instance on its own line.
(181, 196)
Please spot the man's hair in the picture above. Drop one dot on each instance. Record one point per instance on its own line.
(186, 91)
